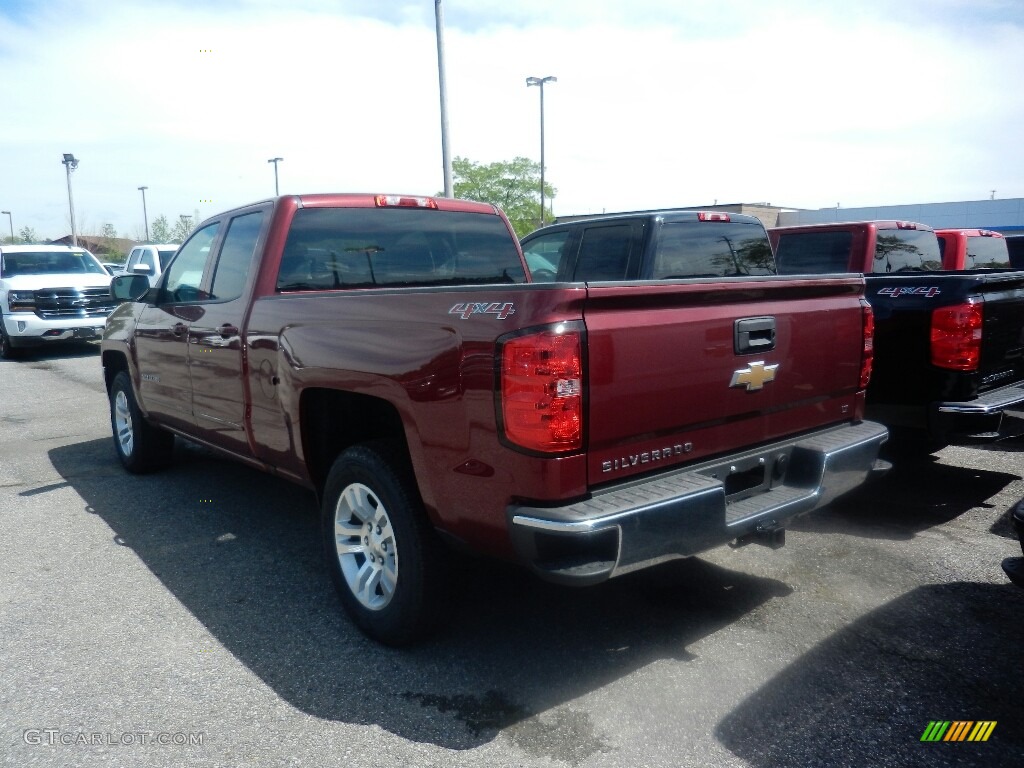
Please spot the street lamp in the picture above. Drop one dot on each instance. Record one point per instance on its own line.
(10, 220)
(70, 164)
(145, 217)
(539, 81)
(442, 87)
(275, 161)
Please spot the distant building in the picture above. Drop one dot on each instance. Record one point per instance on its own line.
(100, 246)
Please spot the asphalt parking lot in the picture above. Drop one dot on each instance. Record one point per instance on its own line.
(185, 619)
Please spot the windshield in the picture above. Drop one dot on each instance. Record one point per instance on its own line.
(906, 250)
(711, 249)
(50, 262)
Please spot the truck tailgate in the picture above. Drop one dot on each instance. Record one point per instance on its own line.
(1002, 340)
(688, 370)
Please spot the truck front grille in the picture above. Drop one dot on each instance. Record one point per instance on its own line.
(72, 303)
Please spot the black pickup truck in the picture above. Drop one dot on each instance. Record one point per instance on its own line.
(949, 345)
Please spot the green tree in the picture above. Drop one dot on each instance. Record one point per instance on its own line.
(513, 186)
(28, 235)
(181, 229)
(109, 246)
(161, 230)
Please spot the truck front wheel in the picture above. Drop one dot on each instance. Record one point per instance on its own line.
(7, 350)
(140, 446)
(383, 555)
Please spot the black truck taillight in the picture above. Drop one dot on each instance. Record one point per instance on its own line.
(956, 336)
(541, 390)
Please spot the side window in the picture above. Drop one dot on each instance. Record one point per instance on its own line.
(604, 253)
(133, 258)
(544, 255)
(236, 256)
(185, 275)
(147, 259)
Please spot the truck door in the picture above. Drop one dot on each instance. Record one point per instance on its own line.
(216, 352)
(162, 332)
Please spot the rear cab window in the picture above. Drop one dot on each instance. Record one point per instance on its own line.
(814, 253)
(987, 253)
(686, 249)
(343, 248)
(906, 250)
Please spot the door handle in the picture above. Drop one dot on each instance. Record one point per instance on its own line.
(178, 329)
(227, 331)
(754, 334)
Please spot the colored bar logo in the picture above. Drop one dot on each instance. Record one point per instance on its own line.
(958, 730)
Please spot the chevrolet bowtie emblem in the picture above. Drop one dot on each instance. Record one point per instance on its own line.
(754, 376)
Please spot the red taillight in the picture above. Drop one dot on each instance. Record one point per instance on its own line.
(542, 391)
(404, 201)
(867, 357)
(706, 216)
(956, 337)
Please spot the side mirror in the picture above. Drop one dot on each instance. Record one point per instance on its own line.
(142, 269)
(129, 287)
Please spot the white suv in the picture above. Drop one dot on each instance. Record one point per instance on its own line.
(50, 294)
(149, 260)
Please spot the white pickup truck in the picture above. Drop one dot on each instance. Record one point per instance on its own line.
(50, 294)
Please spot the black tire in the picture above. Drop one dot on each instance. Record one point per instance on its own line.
(140, 446)
(7, 351)
(384, 557)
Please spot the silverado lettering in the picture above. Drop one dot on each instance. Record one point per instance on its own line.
(647, 456)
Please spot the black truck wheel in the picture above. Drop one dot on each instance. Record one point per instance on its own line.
(7, 350)
(383, 555)
(140, 446)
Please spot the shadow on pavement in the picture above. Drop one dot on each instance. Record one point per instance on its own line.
(873, 688)
(240, 550)
(914, 496)
(69, 349)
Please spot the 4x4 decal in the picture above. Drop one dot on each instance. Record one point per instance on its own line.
(501, 309)
(896, 292)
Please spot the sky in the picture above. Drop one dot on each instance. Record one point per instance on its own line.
(658, 103)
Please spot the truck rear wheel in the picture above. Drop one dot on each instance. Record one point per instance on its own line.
(383, 555)
(140, 446)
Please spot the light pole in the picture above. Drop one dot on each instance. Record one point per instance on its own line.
(539, 81)
(442, 86)
(275, 161)
(145, 217)
(70, 164)
(10, 220)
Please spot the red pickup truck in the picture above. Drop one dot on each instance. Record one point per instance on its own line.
(390, 353)
(972, 249)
